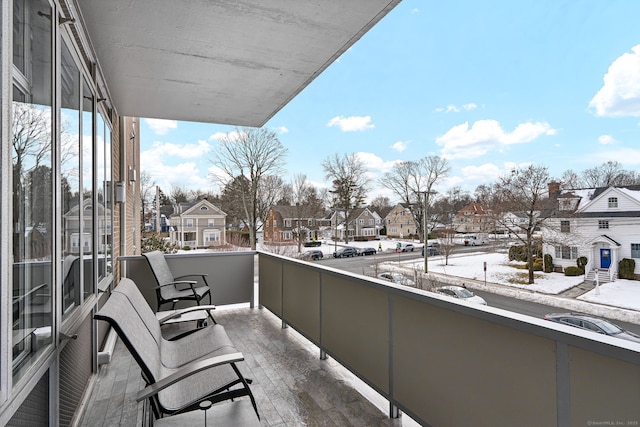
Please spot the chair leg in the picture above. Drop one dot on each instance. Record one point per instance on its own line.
(246, 385)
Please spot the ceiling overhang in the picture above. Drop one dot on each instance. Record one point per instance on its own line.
(227, 62)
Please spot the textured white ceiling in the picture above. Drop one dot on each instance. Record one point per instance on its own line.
(228, 62)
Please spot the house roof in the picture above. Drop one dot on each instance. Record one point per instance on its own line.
(475, 208)
(227, 62)
(194, 208)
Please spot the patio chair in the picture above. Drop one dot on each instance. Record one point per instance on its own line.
(196, 354)
(238, 413)
(172, 289)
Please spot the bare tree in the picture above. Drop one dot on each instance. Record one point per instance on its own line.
(147, 193)
(299, 188)
(270, 190)
(447, 245)
(446, 207)
(412, 180)
(254, 153)
(349, 184)
(523, 191)
(180, 194)
(382, 205)
(570, 180)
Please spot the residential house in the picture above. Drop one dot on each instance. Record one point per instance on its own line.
(77, 238)
(198, 224)
(474, 218)
(364, 224)
(511, 222)
(400, 222)
(601, 224)
(284, 223)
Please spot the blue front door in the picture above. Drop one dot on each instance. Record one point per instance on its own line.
(605, 258)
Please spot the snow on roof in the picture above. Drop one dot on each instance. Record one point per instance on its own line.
(634, 194)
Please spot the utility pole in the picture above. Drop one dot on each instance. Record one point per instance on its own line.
(157, 209)
(426, 234)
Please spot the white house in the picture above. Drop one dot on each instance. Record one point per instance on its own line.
(602, 224)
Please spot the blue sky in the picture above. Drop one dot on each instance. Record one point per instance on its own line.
(487, 85)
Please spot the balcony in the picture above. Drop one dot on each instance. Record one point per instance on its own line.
(440, 362)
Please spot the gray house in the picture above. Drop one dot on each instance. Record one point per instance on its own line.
(198, 224)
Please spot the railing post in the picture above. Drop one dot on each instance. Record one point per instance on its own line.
(394, 411)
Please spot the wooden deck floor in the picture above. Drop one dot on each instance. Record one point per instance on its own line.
(292, 386)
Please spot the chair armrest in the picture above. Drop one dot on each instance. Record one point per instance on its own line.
(186, 371)
(180, 312)
(190, 275)
(179, 282)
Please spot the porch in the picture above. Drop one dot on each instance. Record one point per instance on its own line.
(292, 386)
(417, 353)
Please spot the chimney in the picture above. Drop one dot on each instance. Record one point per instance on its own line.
(554, 189)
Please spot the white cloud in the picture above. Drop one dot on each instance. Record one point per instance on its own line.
(160, 150)
(606, 140)
(630, 156)
(161, 127)
(487, 172)
(353, 123)
(462, 141)
(455, 109)
(221, 136)
(620, 94)
(400, 146)
(282, 129)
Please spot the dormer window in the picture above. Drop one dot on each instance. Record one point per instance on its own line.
(204, 208)
(613, 202)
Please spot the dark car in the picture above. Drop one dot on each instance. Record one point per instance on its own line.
(312, 255)
(312, 243)
(594, 324)
(433, 249)
(367, 251)
(345, 252)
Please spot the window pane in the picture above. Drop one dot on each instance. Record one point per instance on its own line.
(32, 223)
(635, 250)
(87, 190)
(70, 177)
(106, 230)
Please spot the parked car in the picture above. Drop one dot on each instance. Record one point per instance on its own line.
(594, 324)
(312, 255)
(472, 240)
(461, 293)
(312, 243)
(407, 247)
(434, 249)
(367, 251)
(345, 252)
(396, 278)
